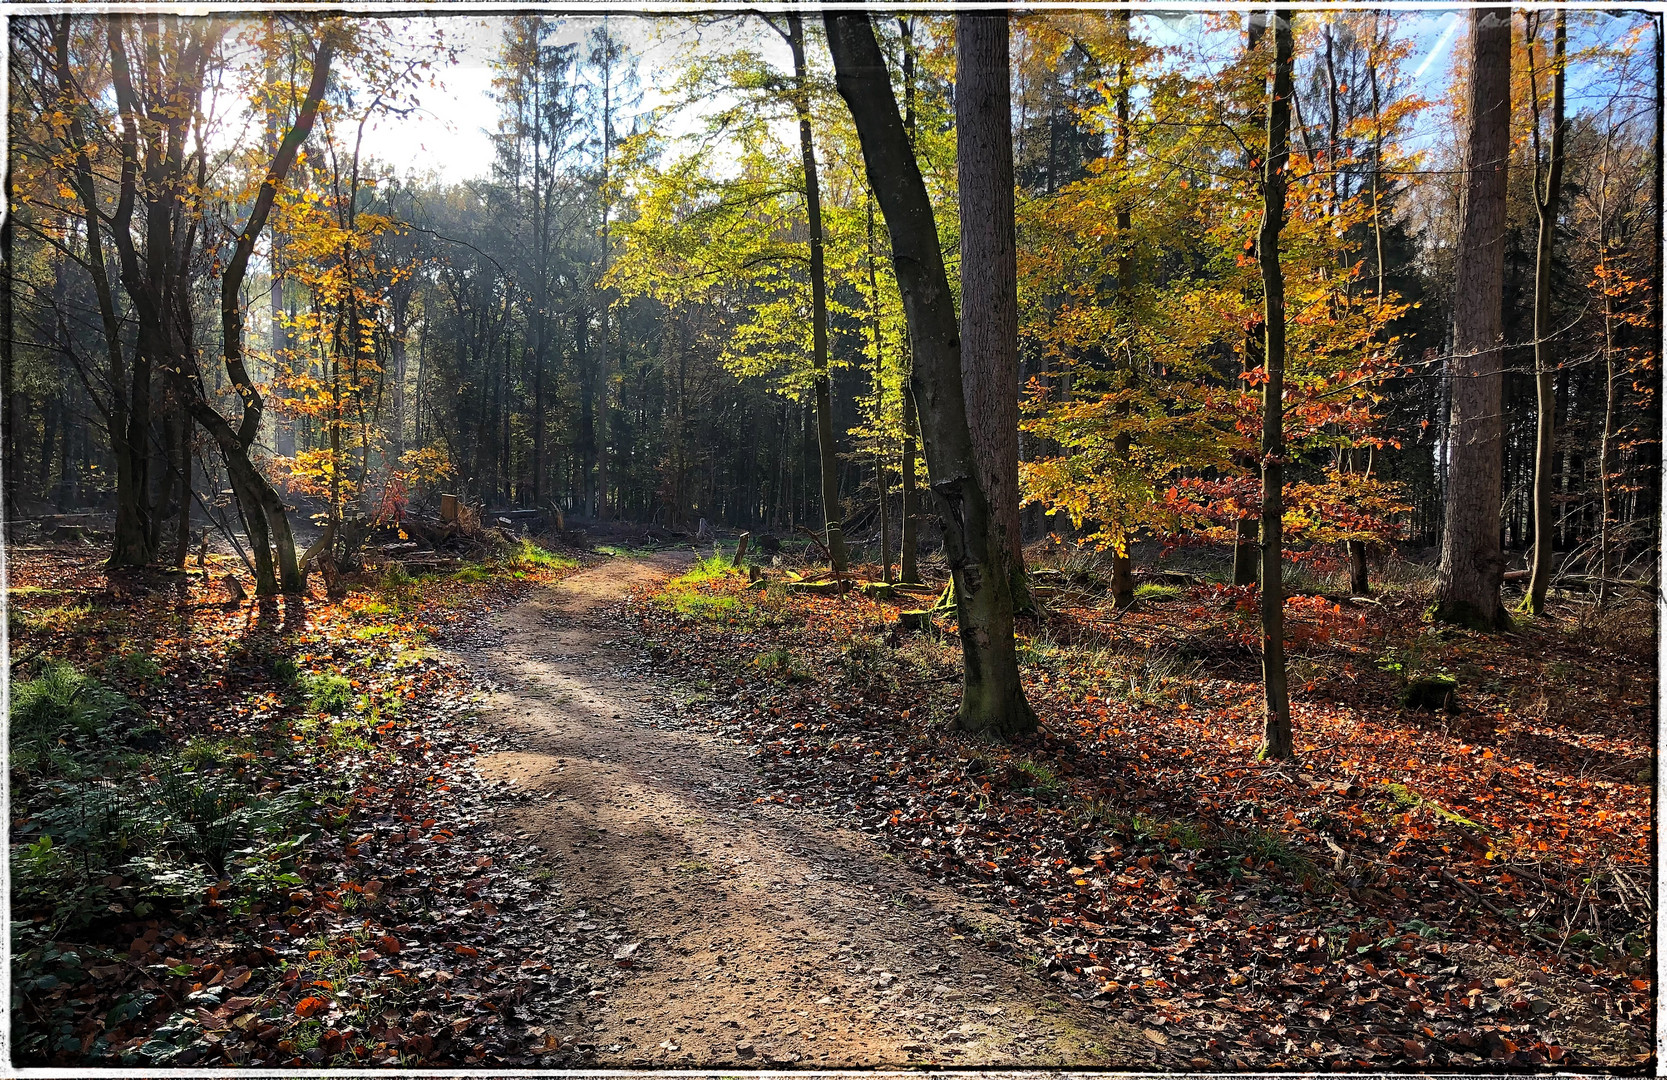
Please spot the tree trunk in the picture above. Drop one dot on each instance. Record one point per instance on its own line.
(1472, 565)
(1276, 738)
(1359, 585)
(9, 460)
(908, 566)
(1245, 552)
(825, 444)
(885, 517)
(989, 276)
(132, 533)
(182, 530)
(1122, 566)
(1546, 203)
(992, 699)
(909, 545)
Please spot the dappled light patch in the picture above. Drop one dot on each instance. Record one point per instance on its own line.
(251, 834)
(1358, 908)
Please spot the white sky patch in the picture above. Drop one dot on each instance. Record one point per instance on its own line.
(449, 136)
(1440, 48)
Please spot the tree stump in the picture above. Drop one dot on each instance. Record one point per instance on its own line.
(448, 508)
(1437, 692)
(915, 620)
(234, 589)
(741, 550)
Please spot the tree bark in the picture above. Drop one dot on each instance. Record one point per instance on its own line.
(1276, 738)
(236, 444)
(989, 275)
(1122, 566)
(132, 531)
(992, 699)
(1547, 202)
(9, 460)
(826, 447)
(1472, 564)
(908, 557)
(908, 570)
(1245, 552)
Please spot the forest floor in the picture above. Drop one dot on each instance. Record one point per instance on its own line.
(616, 808)
(1465, 884)
(745, 932)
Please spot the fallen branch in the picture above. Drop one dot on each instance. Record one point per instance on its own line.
(1480, 899)
(817, 540)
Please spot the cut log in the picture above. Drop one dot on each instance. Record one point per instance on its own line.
(831, 587)
(879, 590)
(915, 620)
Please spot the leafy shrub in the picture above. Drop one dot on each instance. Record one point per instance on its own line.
(57, 707)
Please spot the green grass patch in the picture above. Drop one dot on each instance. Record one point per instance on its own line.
(714, 568)
(326, 694)
(780, 664)
(689, 596)
(1036, 778)
(1156, 594)
(58, 707)
(527, 557)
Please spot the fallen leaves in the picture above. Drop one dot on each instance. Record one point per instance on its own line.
(1160, 868)
(241, 973)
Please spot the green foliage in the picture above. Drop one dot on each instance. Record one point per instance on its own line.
(1036, 779)
(713, 568)
(472, 574)
(138, 665)
(397, 588)
(1156, 594)
(326, 694)
(780, 664)
(56, 709)
(528, 556)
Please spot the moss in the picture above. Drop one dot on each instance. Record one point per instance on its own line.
(1432, 692)
(1464, 613)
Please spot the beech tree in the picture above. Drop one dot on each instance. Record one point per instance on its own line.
(992, 699)
(989, 276)
(1472, 564)
(1548, 200)
(1276, 738)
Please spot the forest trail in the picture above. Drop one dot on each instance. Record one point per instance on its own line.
(764, 936)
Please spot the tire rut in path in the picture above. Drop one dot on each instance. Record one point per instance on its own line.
(765, 936)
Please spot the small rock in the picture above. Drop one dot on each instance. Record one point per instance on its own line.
(744, 1049)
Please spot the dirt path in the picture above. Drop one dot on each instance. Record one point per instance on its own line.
(747, 934)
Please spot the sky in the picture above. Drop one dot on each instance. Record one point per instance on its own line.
(449, 135)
